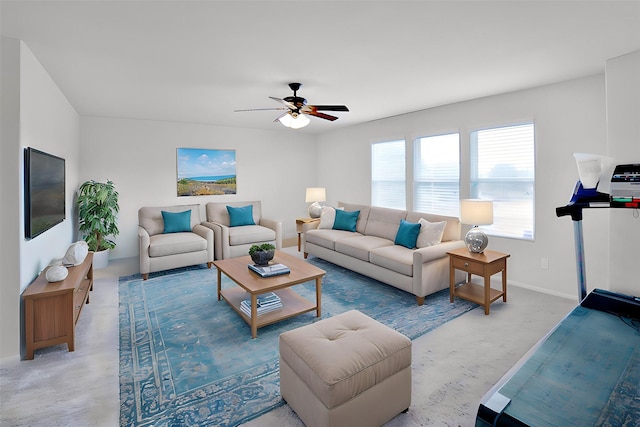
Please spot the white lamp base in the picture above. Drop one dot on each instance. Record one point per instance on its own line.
(315, 210)
(476, 240)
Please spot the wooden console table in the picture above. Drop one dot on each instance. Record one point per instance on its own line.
(486, 265)
(51, 310)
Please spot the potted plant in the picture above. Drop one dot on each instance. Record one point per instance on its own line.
(97, 218)
(262, 254)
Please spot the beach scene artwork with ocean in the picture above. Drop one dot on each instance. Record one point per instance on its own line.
(204, 172)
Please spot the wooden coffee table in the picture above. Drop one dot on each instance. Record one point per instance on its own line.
(250, 285)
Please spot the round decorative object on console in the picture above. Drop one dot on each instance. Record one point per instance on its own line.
(315, 210)
(76, 253)
(56, 273)
(476, 240)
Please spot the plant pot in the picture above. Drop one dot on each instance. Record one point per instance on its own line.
(100, 259)
(262, 257)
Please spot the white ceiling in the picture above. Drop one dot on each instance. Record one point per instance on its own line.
(198, 61)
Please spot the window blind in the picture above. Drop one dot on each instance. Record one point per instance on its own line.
(503, 170)
(388, 174)
(436, 186)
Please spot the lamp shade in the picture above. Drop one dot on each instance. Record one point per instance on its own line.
(297, 122)
(316, 194)
(476, 212)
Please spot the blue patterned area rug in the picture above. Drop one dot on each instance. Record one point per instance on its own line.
(187, 359)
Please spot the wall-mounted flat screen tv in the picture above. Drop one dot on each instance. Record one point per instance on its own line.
(44, 185)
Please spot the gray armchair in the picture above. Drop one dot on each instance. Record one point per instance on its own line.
(173, 244)
(234, 241)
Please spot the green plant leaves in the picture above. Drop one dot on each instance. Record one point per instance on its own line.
(97, 214)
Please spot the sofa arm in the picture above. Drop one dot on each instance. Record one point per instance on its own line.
(275, 226)
(430, 253)
(144, 241)
(207, 234)
(220, 239)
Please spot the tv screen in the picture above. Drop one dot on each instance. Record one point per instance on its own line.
(44, 184)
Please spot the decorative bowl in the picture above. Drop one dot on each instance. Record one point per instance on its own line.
(263, 257)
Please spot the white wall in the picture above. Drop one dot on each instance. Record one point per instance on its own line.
(49, 123)
(35, 114)
(139, 156)
(10, 232)
(623, 137)
(569, 117)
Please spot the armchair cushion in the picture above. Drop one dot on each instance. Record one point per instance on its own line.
(176, 243)
(176, 222)
(250, 234)
(240, 216)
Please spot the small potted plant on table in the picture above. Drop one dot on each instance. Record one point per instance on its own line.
(262, 254)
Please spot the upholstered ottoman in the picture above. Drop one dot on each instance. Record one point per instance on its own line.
(347, 370)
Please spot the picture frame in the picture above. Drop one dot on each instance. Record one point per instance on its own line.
(205, 172)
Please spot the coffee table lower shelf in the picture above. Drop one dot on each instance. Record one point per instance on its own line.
(292, 305)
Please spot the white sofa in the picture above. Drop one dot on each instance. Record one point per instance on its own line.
(234, 241)
(370, 249)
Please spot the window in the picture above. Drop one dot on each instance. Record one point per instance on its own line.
(388, 176)
(503, 170)
(437, 174)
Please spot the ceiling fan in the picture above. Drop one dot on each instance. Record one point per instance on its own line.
(296, 108)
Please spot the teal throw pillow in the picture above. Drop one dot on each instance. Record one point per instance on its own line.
(345, 220)
(176, 222)
(407, 234)
(240, 216)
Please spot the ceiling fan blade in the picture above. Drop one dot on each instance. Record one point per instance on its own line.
(329, 107)
(320, 115)
(260, 109)
(282, 101)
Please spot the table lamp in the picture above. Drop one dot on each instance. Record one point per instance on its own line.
(476, 212)
(315, 195)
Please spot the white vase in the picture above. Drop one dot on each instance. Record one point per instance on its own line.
(100, 259)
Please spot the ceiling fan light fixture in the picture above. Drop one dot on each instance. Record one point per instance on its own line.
(292, 122)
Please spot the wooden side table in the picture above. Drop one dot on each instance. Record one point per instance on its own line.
(486, 265)
(304, 224)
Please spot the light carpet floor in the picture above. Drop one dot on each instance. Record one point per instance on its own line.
(453, 366)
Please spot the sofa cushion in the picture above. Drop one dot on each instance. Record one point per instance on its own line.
(407, 234)
(395, 258)
(239, 216)
(175, 243)
(250, 234)
(327, 217)
(451, 230)
(176, 222)
(327, 238)
(430, 233)
(360, 246)
(384, 222)
(346, 220)
(362, 218)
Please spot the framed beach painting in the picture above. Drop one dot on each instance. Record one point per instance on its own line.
(204, 172)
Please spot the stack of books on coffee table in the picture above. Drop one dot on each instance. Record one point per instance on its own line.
(266, 303)
(269, 270)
